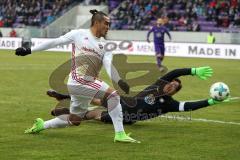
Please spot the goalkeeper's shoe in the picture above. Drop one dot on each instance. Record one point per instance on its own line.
(123, 137)
(36, 128)
(58, 96)
(163, 69)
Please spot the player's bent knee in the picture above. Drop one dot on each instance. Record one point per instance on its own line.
(113, 96)
(110, 94)
(75, 120)
(113, 101)
(110, 91)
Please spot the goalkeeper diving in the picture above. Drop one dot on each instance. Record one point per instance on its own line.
(153, 101)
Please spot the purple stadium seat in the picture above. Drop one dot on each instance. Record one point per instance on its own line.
(113, 4)
(204, 22)
(46, 12)
(174, 22)
(177, 6)
(131, 27)
(210, 29)
(146, 27)
(181, 28)
(125, 27)
(201, 18)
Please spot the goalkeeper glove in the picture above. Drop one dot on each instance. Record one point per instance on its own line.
(202, 72)
(124, 86)
(212, 101)
(22, 51)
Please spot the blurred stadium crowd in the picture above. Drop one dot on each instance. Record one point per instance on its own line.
(179, 15)
(20, 13)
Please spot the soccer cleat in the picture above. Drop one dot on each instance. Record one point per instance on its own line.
(58, 96)
(163, 69)
(36, 128)
(123, 137)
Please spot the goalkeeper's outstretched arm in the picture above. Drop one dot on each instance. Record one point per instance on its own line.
(176, 106)
(201, 72)
(176, 73)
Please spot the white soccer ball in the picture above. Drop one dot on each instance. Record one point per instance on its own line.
(219, 91)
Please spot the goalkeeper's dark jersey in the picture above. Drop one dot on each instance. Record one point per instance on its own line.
(152, 102)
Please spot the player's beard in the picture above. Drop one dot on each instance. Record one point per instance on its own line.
(105, 35)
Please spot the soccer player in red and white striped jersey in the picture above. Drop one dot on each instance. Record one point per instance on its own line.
(88, 56)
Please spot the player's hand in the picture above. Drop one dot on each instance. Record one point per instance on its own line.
(124, 86)
(202, 72)
(212, 101)
(22, 51)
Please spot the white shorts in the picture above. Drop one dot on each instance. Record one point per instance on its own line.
(82, 92)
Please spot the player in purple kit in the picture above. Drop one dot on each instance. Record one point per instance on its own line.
(158, 32)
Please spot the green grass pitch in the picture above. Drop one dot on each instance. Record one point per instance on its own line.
(24, 81)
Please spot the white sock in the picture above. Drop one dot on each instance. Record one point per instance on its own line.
(58, 122)
(115, 112)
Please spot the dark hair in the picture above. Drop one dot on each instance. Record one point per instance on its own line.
(97, 16)
(180, 84)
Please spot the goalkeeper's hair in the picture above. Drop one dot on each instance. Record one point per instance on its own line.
(180, 84)
(97, 16)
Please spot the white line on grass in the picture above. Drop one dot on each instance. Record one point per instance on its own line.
(234, 98)
(200, 120)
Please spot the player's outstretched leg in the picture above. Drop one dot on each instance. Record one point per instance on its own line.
(57, 122)
(38, 126)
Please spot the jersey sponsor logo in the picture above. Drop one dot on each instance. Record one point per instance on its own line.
(161, 100)
(149, 99)
(90, 50)
(159, 35)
